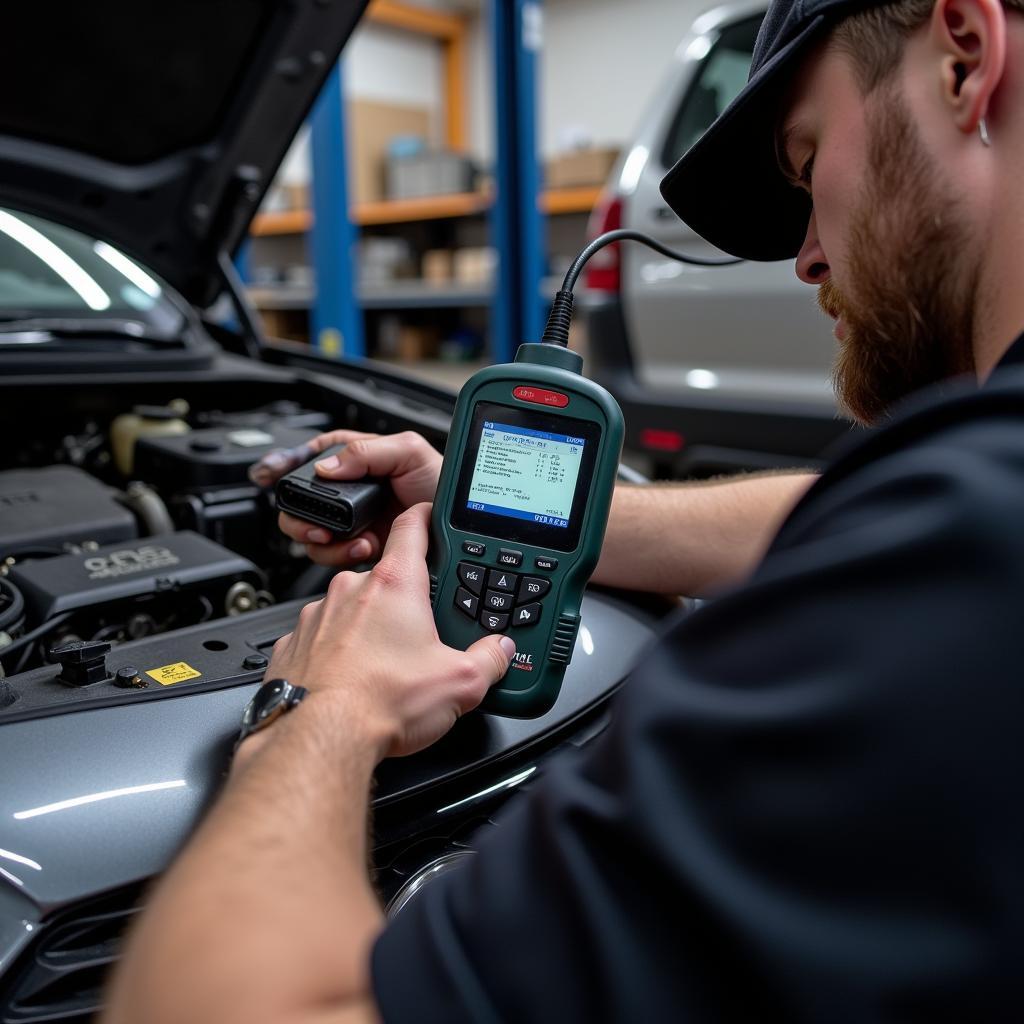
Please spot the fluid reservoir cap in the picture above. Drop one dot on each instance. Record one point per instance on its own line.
(129, 677)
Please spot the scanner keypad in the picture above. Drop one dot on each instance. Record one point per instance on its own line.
(499, 597)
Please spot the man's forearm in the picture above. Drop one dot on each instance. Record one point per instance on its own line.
(268, 915)
(692, 538)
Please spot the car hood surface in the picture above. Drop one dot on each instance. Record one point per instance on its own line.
(158, 127)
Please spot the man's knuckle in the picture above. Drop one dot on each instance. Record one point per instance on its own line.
(341, 583)
(360, 448)
(468, 676)
(309, 613)
(388, 574)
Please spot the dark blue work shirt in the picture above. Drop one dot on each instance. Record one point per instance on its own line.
(810, 804)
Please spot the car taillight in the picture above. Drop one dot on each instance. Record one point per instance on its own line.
(604, 271)
(662, 440)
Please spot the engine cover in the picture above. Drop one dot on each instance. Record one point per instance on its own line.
(162, 565)
(214, 457)
(44, 508)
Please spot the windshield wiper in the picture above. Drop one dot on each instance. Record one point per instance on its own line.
(42, 330)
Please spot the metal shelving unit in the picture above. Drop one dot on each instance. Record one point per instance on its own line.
(402, 211)
(515, 214)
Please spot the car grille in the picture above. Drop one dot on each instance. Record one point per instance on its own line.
(61, 976)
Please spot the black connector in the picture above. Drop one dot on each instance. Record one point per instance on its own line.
(345, 507)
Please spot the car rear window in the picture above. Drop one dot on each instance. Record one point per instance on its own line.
(720, 77)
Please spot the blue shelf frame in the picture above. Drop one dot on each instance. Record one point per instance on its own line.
(336, 317)
(517, 225)
(516, 222)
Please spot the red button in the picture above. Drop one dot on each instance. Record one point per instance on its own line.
(540, 397)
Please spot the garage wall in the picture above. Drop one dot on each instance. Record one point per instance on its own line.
(602, 62)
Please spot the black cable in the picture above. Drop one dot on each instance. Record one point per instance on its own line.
(12, 606)
(628, 235)
(34, 634)
(556, 331)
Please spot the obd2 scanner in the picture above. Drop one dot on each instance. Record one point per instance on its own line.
(522, 503)
(520, 514)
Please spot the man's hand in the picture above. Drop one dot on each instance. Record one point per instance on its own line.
(371, 644)
(294, 811)
(407, 459)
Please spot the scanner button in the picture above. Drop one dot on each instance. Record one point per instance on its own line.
(475, 548)
(466, 602)
(546, 563)
(496, 601)
(540, 396)
(506, 556)
(528, 615)
(495, 622)
(471, 576)
(533, 588)
(502, 580)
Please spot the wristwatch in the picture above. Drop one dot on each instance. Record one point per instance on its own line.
(269, 702)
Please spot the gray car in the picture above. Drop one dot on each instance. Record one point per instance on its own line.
(143, 581)
(715, 368)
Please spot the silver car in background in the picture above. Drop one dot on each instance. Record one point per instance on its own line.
(716, 369)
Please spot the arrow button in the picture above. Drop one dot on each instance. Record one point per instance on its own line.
(466, 602)
(527, 615)
(498, 579)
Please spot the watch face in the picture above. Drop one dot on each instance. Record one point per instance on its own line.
(268, 701)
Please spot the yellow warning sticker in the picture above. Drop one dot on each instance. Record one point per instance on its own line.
(168, 675)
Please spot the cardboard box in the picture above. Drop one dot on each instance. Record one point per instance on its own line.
(417, 343)
(476, 265)
(581, 167)
(296, 197)
(437, 266)
(428, 174)
(371, 127)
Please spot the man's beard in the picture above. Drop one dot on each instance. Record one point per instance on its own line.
(908, 308)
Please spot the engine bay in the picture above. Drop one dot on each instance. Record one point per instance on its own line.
(127, 513)
(140, 524)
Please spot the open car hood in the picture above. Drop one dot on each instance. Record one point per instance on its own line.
(159, 127)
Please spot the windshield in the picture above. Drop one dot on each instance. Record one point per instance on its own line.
(48, 271)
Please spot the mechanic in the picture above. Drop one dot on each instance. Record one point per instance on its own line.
(808, 805)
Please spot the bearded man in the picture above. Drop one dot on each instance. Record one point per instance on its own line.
(808, 805)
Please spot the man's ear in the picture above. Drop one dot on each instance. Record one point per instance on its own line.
(970, 36)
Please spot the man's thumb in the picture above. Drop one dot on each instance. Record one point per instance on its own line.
(492, 655)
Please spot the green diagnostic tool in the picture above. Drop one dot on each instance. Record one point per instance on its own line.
(520, 514)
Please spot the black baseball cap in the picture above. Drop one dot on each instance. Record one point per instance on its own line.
(728, 186)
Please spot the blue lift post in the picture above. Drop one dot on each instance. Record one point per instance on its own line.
(336, 319)
(242, 259)
(517, 225)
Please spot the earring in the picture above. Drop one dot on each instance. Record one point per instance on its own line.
(983, 132)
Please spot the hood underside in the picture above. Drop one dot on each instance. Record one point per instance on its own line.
(159, 127)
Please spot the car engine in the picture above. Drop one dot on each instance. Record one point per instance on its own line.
(146, 524)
